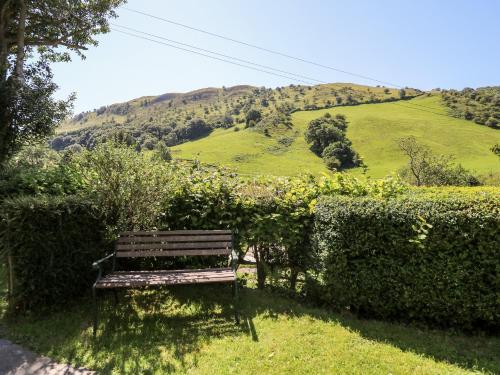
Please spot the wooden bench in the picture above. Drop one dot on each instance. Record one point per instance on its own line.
(169, 244)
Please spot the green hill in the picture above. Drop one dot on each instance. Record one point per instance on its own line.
(481, 105)
(212, 121)
(373, 129)
(169, 117)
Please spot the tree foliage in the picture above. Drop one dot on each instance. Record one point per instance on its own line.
(34, 31)
(480, 105)
(253, 115)
(327, 136)
(426, 168)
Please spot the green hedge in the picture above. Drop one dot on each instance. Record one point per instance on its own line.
(52, 242)
(382, 258)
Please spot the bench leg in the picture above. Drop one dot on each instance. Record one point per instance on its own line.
(94, 296)
(236, 302)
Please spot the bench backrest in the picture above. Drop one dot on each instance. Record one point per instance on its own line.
(174, 243)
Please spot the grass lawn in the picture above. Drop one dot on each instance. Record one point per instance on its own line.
(373, 129)
(191, 330)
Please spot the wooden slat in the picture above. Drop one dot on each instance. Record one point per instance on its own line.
(175, 232)
(171, 253)
(138, 284)
(172, 246)
(164, 276)
(146, 278)
(223, 269)
(175, 238)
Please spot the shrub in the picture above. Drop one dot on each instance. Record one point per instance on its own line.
(127, 186)
(132, 191)
(162, 152)
(38, 170)
(430, 256)
(52, 242)
(427, 169)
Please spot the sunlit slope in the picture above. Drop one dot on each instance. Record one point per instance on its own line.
(251, 152)
(374, 130)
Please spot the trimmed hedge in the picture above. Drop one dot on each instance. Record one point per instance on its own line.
(426, 257)
(52, 242)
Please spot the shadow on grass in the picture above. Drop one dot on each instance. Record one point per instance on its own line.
(471, 352)
(163, 330)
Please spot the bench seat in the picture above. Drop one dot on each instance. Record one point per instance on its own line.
(137, 279)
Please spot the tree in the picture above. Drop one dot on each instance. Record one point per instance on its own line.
(340, 155)
(328, 139)
(402, 93)
(425, 168)
(496, 149)
(31, 35)
(325, 130)
(253, 115)
(418, 155)
(194, 129)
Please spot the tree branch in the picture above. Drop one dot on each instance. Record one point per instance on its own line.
(4, 9)
(54, 43)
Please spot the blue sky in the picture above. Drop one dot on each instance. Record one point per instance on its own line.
(423, 44)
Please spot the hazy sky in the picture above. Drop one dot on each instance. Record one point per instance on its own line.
(423, 44)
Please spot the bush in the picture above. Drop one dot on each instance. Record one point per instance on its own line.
(38, 170)
(52, 242)
(132, 191)
(127, 186)
(430, 256)
(424, 168)
(162, 152)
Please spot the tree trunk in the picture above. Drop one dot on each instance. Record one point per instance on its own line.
(4, 49)
(293, 278)
(6, 15)
(261, 271)
(21, 32)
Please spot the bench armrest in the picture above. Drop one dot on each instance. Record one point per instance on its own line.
(97, 264)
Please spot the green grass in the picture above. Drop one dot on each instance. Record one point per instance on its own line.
(191, 330)
(250, 152)
(374, 130)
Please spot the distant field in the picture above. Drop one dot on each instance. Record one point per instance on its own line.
(374, 130)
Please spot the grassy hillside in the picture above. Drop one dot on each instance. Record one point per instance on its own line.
(250, 152)
(480, 105)
(175, 118)
(374, 130)
(211, 103)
